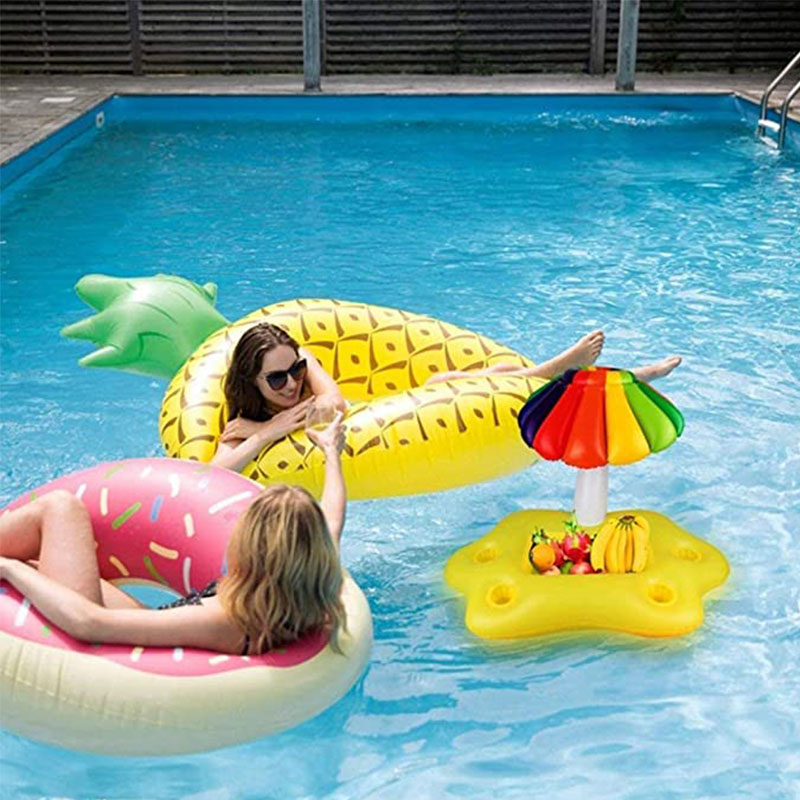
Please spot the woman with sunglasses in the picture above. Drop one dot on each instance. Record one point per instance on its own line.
(270, 387)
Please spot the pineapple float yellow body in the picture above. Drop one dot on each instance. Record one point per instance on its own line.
(402, 437)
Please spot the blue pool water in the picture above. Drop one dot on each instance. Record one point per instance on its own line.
(531, 220)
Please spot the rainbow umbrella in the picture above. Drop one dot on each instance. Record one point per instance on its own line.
(590, 418)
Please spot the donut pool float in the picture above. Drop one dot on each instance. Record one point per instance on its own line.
(166, 523)
(507, 599)
(402, 436)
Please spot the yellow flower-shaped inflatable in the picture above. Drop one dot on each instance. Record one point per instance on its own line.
(506, 598)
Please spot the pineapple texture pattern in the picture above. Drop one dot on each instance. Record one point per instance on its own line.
(403, 437)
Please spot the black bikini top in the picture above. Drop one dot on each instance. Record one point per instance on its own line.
(195, 598)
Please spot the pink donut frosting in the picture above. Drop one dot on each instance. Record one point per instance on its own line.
(161, 520)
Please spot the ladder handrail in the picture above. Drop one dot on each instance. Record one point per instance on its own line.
(785, 113)
(771, 88)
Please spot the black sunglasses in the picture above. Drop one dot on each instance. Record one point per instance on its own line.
(277, 380)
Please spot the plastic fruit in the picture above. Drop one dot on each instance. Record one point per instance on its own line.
(576, 546)
(622, 544)
(637, 530)
(601, 542)
(621, 541)
(560, 559)
(612, 552)
(543, 557)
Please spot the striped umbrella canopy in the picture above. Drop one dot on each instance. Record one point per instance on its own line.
(597, 416)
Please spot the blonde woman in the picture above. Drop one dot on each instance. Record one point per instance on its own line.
(284, 575)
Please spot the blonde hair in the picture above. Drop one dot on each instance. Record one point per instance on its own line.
(284, 575)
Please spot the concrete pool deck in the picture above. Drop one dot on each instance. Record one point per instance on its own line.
(34, 106)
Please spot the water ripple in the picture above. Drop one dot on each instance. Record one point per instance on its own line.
(674, 231)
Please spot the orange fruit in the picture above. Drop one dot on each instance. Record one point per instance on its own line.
(543, 557)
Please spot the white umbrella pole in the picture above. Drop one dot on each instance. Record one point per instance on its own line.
(591, 496)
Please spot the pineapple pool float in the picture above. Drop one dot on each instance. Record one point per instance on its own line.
(402, 437)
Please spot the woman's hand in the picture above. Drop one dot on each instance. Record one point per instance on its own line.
(240, 428)
(284, 422)
(273, 429)
(330, 440)
(327, 405)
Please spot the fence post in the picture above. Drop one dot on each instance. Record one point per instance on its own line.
(311, 45)
(45, 37)
(134, 20)
(626, 46)
(597, 54)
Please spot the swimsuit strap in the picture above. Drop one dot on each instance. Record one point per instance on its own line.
(210, 590)
(194, 597)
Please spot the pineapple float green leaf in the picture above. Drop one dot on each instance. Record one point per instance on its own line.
(145, 325)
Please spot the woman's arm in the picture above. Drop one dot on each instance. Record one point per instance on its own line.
(322, 385)
(242, 440)
(334, 496)
(189, 626)
(334, 492)
(236, 453)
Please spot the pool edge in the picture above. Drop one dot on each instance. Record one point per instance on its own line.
(39, 150)
(35, 152)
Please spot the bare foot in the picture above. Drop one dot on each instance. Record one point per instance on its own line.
(659, 370)
(585, 352)
(582, 354)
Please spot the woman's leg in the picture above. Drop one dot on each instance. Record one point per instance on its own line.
(652, 371)
(559, 364)
(583, 353)
(55, 530)
(117, 598)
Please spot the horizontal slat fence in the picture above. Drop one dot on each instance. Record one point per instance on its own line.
(151, 36)
(453, 36)
(223, 36)
(720, 35)
(386, 36)
(51, 36)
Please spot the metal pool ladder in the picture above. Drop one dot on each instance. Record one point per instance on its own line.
(764, 123)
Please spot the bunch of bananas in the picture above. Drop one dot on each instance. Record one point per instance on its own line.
(621, 545)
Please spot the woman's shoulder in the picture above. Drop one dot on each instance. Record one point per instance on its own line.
(214, 622)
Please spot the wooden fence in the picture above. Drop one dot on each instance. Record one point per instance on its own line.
(386, 36)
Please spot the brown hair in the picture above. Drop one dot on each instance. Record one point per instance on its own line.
(241, 393)
(284, 575)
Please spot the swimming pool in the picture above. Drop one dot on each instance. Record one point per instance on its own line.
(531, 220)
